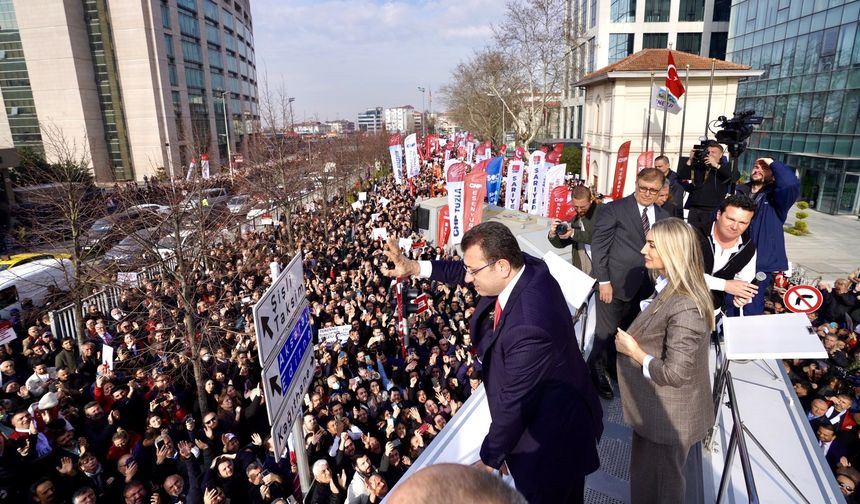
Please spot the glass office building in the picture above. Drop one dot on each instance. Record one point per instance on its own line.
(809, 94)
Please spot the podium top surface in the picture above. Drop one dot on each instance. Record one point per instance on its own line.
(784, 336)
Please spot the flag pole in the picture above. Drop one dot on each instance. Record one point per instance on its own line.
(650, 101)
(710, 93)
(665, 112)
(684, 112)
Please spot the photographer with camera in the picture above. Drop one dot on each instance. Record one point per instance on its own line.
(774, 187)
(708, 178)
(578, 232)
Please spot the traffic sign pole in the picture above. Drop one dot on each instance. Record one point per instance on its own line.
(280, 290)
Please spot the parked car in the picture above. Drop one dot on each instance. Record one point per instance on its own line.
(133, 248)
(239, 204)
(107, 231)
(35, 281)
(159, 209)
(207, 197)
(166, 246)
(16, 260)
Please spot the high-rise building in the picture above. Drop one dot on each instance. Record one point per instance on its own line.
(138, 86)
(809, 94)
(400, 119)
(371, 120)
(602, 33)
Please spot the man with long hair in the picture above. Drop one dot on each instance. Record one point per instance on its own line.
(662, 373)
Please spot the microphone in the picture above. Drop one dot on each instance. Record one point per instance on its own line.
(759, 277)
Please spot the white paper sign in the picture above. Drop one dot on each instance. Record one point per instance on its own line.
(405, 244)
(384, 201)
(373, 217)
(362, 196)
(7, 332)
(380, 233)
(332, 334)
(107, 356)
(127, 279)
(356, 205)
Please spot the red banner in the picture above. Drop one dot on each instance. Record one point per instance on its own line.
(476, 192)
(587, 161)
(645, 160)
(554, 156)
(620, 170)
(443, 228)
(481, 167)
(519, 153)
(557, 201)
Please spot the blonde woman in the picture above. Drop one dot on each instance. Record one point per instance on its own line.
(663, 365)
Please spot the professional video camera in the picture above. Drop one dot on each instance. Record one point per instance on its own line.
(737, 130)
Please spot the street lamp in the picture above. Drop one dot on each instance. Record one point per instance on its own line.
(423, 128)
(227, 131)
(290, 102)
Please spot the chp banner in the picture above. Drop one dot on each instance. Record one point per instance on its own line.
(470, 152)
(558, 201)
(620, 170)
(661, 99)
(536, 174)
(476, 191)
(494, 179)
(395, 148)
(443, 227)
(554, 178)
(587, 161)
(645, 160)
(455, 177)
(514, 184)
(413, 164)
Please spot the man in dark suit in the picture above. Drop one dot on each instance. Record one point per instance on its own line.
(546, 418)
(619, 267)
(675, 202)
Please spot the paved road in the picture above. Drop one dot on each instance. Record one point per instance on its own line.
(830, 250)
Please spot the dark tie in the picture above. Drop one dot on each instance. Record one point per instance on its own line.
(497, 315)
(645, 225)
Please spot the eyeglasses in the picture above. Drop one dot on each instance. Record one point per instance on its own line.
(647, 190)
(474, 272)
(847, 487)
(209, 421)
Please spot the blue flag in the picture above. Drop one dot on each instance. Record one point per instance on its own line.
(494, 179)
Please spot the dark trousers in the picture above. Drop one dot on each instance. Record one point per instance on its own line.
(657, 474)
(572, 494)
(611, 317)
(702, 219)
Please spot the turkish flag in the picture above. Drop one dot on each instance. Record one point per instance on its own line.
(672, 80)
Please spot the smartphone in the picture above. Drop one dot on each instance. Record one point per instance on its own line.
(159, 443)
(390, 422)
(395, 443)
(424, 427)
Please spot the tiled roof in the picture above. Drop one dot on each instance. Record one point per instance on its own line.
(657, 60)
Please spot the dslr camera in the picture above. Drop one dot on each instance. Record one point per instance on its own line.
(563, 227)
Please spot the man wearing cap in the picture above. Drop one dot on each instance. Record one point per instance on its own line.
(774, 187)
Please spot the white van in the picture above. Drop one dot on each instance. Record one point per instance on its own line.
(31, 281)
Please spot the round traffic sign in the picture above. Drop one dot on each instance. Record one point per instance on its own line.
(803, 299)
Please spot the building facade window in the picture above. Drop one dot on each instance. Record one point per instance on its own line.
(191, 52)
(165, 15)
(718, 45)
(188, 25)
(190, 5)
(691, 10)
(655, 41)
(689, 42)
(211, 10)
(592, 14)
(620, 46)
(215, 58)
(622, 11)
(657, 11)
(723, 9)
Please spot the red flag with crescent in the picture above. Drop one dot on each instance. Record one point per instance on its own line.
(673, 82)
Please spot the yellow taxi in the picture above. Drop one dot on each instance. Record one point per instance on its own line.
(10, 261)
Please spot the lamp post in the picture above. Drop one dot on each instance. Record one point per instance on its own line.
(423, 128)
(227, 131)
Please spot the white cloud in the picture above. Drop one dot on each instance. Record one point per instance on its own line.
(339, 57)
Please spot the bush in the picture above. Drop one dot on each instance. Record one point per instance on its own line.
(803, 205)
(801, 226)
(792, 231)
(801, 215)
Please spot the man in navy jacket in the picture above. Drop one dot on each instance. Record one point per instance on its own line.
(546, 417)
(774, 187)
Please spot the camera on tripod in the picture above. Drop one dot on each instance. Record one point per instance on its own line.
(700, 151)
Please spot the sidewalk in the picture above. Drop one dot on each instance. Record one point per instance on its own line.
(830, 250)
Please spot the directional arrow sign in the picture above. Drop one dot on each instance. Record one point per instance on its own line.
(293, 399)
(276, 309)
(279, 374)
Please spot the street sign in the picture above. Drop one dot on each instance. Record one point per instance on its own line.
(293, 399)
(279, 373)
(275, 311)
(803, 299)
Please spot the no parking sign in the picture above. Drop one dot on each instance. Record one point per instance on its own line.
(803, 299)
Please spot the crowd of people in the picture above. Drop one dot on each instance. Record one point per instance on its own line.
(75, 431)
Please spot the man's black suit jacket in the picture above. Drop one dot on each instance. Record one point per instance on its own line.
(546, 417)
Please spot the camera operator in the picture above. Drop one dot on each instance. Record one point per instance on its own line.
(708, 177)
(774, 187)
(578, 232)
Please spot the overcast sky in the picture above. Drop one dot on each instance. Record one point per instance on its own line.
(338, 58)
